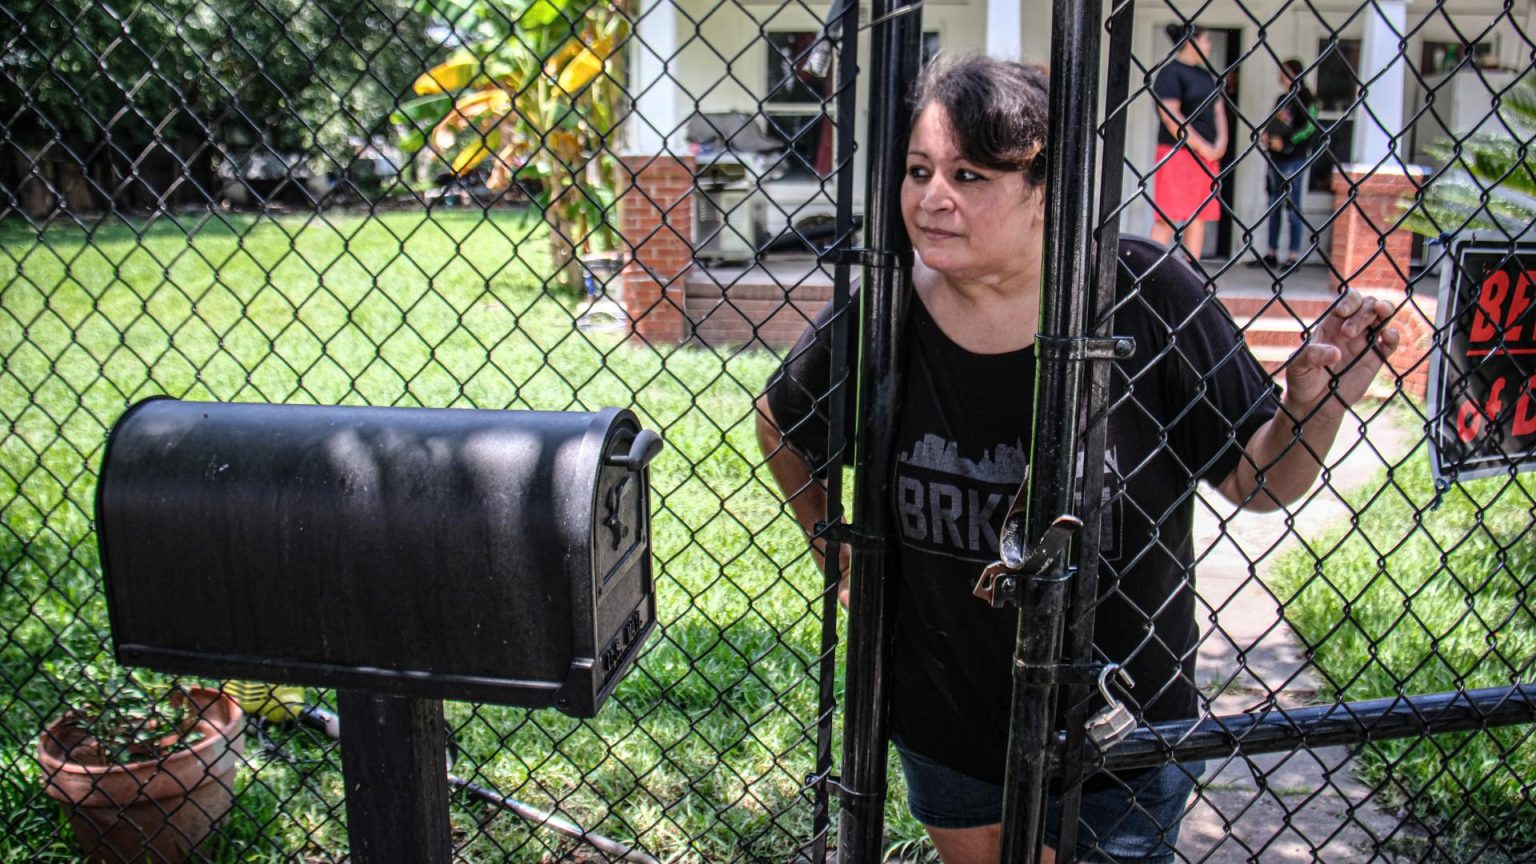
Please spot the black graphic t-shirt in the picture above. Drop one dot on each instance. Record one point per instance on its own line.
(1185, 404)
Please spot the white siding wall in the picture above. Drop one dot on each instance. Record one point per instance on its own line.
(723, 60)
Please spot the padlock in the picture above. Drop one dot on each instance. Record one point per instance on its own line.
(1110, 724)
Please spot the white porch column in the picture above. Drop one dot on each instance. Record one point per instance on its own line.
(1382, 70)
(1005, 29)
(655, 119)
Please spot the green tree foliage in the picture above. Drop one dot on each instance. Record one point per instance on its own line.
(1489, 180)
(536, 95)
(302, 76)
(81, 69)
(309, 75)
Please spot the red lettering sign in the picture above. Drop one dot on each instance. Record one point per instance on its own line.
(1517, 306)
(1501, 302)
(1525, 411)
(1483, 397)
(1490, 307)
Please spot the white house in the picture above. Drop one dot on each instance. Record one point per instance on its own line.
(700, 55)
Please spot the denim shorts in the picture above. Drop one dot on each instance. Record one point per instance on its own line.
(1134, 821)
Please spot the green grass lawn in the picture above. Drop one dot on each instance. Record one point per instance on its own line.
(1431, 592)
(702, 752)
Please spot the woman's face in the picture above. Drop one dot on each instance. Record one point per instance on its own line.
(965, 221)
(1202, 43)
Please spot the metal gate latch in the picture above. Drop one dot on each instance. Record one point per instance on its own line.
(1110, 724)
(999, 582)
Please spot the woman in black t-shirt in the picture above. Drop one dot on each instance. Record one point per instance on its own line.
(1191, 139)
(1192, 404)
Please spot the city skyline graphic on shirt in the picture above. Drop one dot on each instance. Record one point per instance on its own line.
(949, 505)
(936, 453)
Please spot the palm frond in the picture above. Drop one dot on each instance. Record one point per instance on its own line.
(1489, 183)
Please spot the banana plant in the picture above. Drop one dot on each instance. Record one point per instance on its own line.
(536, 92)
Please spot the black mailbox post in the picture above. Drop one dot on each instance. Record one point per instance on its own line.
(400, 555)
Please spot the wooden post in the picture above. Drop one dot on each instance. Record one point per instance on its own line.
(393, 758)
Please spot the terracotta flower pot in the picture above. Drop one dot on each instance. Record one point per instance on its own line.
(156, 809)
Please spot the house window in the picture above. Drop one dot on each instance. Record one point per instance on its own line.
(1337, 82)
(1338, 88)
(798, 108)
(1439, 58)
(788, 83)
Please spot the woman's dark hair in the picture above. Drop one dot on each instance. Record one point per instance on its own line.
(1295, 69)
(997, 108)
(1177, 33)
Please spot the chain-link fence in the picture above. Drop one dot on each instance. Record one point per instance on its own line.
(545, 205)
(557, 205)
(1294, 152)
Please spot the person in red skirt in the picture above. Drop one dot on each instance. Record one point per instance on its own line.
(1191, 139)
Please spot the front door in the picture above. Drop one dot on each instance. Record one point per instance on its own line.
(1226, 48)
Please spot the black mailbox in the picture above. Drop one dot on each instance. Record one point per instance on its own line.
(498, 556)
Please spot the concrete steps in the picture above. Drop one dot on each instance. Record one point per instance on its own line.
(1274, 327)
(1245, 307)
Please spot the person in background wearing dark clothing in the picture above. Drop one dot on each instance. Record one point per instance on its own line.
(1288, 138)
(1191, 139)
(973, 203)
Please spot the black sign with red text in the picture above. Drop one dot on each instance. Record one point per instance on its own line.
(1483, 383)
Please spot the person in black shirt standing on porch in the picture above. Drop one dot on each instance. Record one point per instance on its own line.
(1288, 138)
(1192, 404)
(1191, 139)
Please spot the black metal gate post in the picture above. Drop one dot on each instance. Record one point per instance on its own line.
(846, 26)
(1066, 280)
(895, 51)
(1077, 694)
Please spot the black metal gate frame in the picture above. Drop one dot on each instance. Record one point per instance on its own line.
(895, 49)
(1055, 620)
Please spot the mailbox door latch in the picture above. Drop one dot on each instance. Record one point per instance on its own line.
(615, 521)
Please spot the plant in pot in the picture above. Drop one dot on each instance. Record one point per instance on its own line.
(144, 769)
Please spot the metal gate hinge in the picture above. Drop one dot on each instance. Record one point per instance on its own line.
(1080, 348)
(999, 583)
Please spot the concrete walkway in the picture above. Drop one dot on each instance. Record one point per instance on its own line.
(1302, 805)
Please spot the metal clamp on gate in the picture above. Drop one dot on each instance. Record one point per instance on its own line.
(835, 782)
(1081, 348)
(845, 534)
(1110, 724)
(859, 256)
(999, 582)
